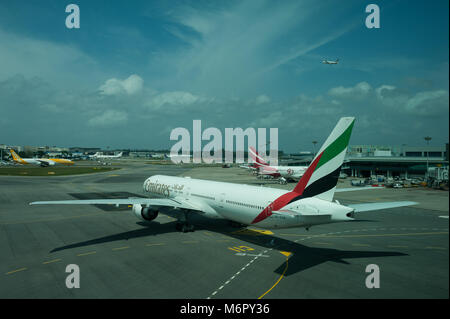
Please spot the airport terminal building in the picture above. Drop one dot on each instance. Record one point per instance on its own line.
(391, 161)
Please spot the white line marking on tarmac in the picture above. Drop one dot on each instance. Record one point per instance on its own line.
(234, 276)
(444, 217)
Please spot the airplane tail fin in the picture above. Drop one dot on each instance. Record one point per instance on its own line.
(321, 177)
(16, 157)
(257, 158)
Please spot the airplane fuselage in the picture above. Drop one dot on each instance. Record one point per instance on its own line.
(294, 172)
(244, 203)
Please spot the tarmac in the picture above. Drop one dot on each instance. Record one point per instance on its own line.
(121, 257)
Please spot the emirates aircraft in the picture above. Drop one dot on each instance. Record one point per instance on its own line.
(309, 203)
(284, 173)
(44, 162)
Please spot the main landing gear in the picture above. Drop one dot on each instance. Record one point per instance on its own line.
(183, 224)
(184, 227)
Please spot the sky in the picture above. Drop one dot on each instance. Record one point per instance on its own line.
(136, 70)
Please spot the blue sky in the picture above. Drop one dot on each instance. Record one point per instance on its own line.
(136, 70)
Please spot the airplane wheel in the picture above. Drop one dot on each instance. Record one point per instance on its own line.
(184, 228)
(178, 226)
(191, 228)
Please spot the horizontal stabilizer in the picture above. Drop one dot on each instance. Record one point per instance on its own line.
(378, 206)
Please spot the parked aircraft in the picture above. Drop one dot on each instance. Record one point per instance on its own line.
(309, 203)
(284, 173)
(44, 162)
(101, 156)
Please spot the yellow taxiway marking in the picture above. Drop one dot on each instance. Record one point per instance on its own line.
(17, 270)
(321, 243)
(299, 235)
(241, 248)
(190, 242)
(387, 235)
(208, 233)
(112, 175)
(50, 261)
(431, 247)
(252, 232)
(89, 253)
(158, 244)
(397, 246)
(374, 235)
(287, 254)
(360, 245)
(120, 248)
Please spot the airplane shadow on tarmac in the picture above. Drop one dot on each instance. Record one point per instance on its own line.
(302, 257)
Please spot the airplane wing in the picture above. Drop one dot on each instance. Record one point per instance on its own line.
(366, 207)
(157, 202)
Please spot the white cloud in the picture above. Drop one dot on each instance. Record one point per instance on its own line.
(109, 118)
(428, 103)
(176, 98)
(361, 88)
(262, 99)
(386, 88)
(60, 63)
(132, 85)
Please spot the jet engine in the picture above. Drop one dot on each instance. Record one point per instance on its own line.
(145, 213)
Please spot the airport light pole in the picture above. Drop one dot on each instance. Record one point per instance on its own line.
(428, 139)
(314, 145)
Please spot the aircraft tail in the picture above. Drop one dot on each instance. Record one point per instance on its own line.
(320, 179)
(16, 157)
(257, 158)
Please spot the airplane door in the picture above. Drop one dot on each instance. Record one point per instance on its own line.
(221, 200)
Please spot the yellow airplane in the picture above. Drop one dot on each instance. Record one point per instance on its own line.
(44, 162)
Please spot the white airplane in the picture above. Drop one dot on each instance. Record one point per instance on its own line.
(284, 173)
(170, 156)
(330, 61)
(309, 203)
(101, 156)
(44, 162)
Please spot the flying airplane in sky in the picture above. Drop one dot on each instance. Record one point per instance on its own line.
(101, 156)
(44, 162)
(283, 172)
(330, 61)
(309, 203)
